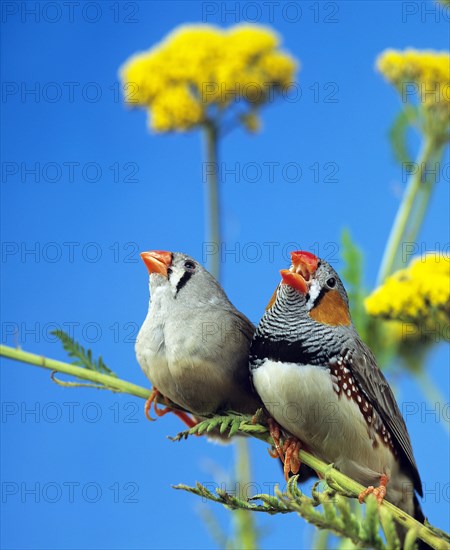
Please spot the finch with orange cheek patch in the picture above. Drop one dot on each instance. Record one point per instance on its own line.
(322, 385)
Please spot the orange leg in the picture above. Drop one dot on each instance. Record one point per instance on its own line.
(190, 422)
(292, 462)
(275, 433)
(152, 401)
(379, 492)
(148, 403)
(161, 412)
(288, 454)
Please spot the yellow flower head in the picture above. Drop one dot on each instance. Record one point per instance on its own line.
(419, 294)
(198, 71)
(424, 75)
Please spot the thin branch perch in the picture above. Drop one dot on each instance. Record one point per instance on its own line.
(336, 480)
(109, 382)
(232, 424)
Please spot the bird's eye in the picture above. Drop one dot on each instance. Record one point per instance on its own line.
(331, 282)
(190, 266)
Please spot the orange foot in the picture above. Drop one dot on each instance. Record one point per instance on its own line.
(379, 492)
(275, 434)
(292, 462)
(288, 454)
(190, 422)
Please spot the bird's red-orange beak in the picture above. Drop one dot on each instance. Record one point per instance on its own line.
(304, 264)
(157, 261)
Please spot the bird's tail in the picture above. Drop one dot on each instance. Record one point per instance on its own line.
(419, 516)
(416, 511)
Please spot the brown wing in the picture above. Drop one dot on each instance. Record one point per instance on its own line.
(373, 383)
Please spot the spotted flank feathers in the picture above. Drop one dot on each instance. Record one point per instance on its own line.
(345, 385)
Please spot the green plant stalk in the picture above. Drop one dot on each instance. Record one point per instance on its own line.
(348, 485)
(431, 392)
(331, 475)
(422, 200)
(334, 478)
(245, 528)
(213, 211)
(246, 537)
(110, 382)
(246, 534)
(390, 256)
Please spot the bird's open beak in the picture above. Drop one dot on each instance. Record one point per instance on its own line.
(304, 264)
(157, 261)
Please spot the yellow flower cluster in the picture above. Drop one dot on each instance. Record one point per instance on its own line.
(419, 293)
(423, 74)
(198, 71)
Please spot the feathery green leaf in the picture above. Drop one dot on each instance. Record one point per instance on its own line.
(83, 358)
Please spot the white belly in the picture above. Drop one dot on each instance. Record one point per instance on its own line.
(302, 400)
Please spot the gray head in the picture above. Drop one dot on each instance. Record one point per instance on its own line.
(177, 276)
(311, 295)
(315, 288)
(308, 316)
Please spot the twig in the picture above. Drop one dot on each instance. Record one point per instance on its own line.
(110, 382)
(334, 478)
(238, 424)
(403, 218)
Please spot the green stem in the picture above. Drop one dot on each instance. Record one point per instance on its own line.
(214, 239)
(245, 525)
(246, 536)
(334, 478)
(431, 392)
(111, 382)
(122, 386)
(397, 235)
(422, 201)
(349, 485)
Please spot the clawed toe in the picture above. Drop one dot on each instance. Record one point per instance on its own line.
(152, 400)
(378, 492)
(273, 453)
(288, 454)
(275, 433)
(149, 402)
(292, 462)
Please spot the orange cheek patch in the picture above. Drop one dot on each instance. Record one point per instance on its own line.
(272, 300)
(331, 310)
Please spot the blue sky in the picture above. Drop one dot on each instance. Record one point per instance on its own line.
(85, 187)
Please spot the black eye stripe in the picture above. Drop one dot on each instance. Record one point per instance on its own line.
(184, 279)
(322, 293)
